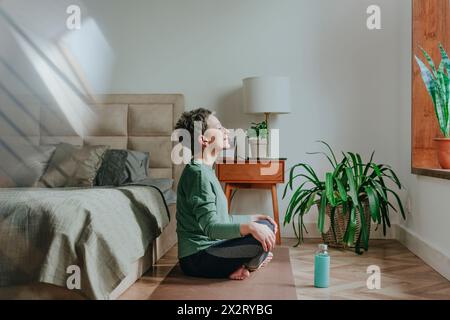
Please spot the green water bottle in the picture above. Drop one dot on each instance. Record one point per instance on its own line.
(322, 267)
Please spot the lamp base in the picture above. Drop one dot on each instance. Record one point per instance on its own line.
(267, 114)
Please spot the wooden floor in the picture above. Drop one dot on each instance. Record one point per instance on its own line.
(403, 275)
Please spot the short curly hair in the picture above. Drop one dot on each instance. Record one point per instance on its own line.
(188, 119)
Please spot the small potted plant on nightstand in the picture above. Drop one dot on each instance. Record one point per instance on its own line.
(350, 196)
(257, 138)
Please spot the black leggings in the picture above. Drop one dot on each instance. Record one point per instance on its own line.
(226, 256)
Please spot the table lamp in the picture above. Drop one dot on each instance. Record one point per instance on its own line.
(266, 95)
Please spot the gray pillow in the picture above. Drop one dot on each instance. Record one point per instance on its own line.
(163, 184)
(73, 166)
(112, 171)
(136, 166)
(31, 165)
(170, 196)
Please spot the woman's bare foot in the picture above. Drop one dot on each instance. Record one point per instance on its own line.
(240, 274)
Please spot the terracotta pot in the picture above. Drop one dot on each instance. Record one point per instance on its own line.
(443, 152)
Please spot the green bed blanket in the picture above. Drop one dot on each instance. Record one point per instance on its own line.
(48, 235)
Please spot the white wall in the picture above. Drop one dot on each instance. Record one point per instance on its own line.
(350, 86)
(426, 231)
(345, 78)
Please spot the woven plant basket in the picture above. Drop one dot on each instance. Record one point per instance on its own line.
(340, 225)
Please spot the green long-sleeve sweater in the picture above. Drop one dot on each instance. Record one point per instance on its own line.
(202, 213)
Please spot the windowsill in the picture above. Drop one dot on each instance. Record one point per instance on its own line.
(431, 172)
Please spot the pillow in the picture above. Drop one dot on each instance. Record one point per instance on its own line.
(73, 166)
(163, 184)
(136, 166)
(31, 166)
(170, 196)
(112, 171)
(122, 166)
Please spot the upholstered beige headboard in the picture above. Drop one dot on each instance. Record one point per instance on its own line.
(142, 122)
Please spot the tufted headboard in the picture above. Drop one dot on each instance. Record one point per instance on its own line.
(142, 122)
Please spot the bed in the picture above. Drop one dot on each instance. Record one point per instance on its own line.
(142, 122)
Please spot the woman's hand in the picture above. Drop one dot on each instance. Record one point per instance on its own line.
(260, 232)
(259, 217)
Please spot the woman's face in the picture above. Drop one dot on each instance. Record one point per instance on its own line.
(217, 134)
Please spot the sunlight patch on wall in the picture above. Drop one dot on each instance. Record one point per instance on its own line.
(73, 107)
(90, 56)
(73, 65)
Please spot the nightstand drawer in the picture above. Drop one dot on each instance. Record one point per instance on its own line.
(272, 172)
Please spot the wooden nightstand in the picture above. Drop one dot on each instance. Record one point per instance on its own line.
(253, 174)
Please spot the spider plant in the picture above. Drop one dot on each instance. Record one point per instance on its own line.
(438, 86)
(348, 185)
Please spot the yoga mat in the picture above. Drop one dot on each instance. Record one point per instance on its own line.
(273, 282)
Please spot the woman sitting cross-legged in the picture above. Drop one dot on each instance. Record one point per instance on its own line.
(212, 243)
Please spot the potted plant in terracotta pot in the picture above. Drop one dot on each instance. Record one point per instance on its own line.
(438, 86)
(257, 138)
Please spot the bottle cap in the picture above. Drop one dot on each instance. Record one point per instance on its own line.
(323, 246)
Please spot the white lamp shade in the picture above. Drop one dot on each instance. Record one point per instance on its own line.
(267, 95)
